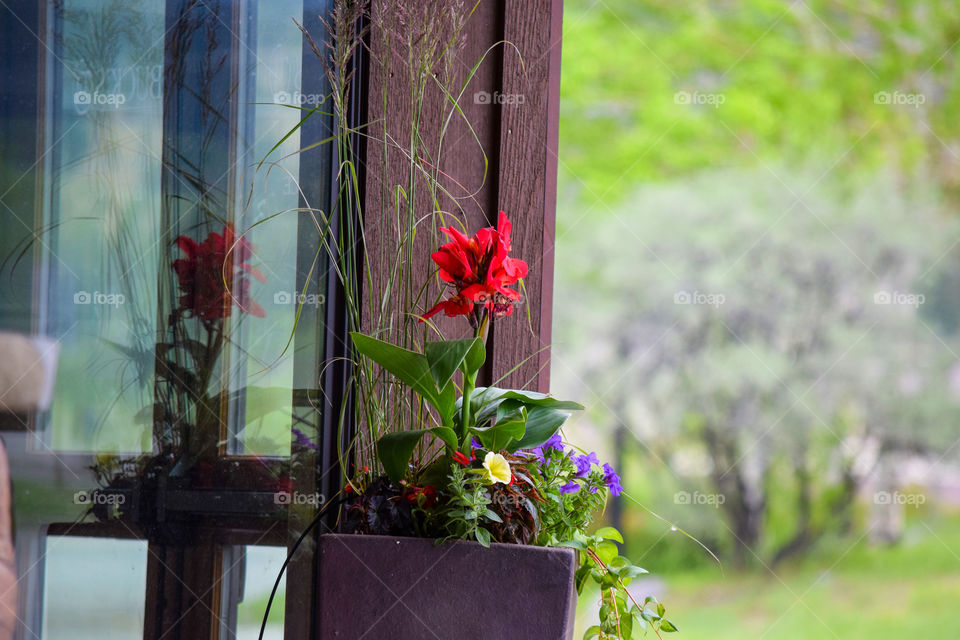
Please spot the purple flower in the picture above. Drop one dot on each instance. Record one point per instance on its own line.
(302, 440)
(554, 442)
(612, 479)
(584, 463)
(570, 487)
(476, 444)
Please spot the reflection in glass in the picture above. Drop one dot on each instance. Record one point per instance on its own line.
(249, 574)
(93, 588)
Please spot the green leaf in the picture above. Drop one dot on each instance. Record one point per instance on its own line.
(666, 625)
(606, 551)
(580, 577)
(592, 632)
(609, 533)
(573, 544)
(446, 404)
(500, 436)
(542, 423)
(475, 357)
(395, 449)
(486, 395)
(483, 536)
(409, 367)
(492, 515)
(445, 357)
(631, 571)
(448, 435)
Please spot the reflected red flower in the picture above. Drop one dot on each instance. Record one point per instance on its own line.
(480, 271)
(200, 276)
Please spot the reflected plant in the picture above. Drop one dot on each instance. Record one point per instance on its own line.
(189, 396)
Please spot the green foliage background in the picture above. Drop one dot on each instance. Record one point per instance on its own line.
(798, 79)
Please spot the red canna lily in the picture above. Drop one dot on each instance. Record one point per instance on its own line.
(200, 276)
(479, 270)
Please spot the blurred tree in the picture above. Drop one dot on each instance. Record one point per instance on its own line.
(773, 328)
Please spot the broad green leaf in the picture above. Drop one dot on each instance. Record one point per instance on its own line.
(448, 435)
(475, 357)
(395, 449)
(446, 404)
(483, 396)
(592, 632)
(542, 422)
(506, 430)
(666, 625)
(408, 366)
(446, 356)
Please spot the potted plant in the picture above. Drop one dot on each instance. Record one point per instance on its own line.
(504, 505)
(464, 514)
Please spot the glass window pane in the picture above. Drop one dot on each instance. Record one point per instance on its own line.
(101, 208)
(94, 588)
(249, 589)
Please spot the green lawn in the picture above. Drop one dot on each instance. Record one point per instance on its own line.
(911, 590)
(847, 589)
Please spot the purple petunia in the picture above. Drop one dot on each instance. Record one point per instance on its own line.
(553, 442)
(612, 479)
(570, 487)
(585, 462)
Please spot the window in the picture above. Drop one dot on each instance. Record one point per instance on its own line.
(163, 476)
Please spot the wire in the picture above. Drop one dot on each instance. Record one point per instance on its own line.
(293, 550)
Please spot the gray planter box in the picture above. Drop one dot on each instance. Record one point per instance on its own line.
(386, 588)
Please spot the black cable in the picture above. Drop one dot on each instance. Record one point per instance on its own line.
(293, 550)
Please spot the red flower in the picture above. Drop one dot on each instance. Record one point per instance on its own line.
(426, 496)
(461, 458)
(200, 276)
(479, 270)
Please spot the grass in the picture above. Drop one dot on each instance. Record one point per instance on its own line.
(847, 589)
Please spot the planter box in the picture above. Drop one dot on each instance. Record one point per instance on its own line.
(386, 588)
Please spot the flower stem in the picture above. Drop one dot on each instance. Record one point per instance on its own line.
(469, 384)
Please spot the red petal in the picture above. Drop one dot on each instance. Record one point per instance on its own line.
(478, 293)
(456, 236)
(504, 228)
(453, 263)
(253, 271)
(188, 246)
